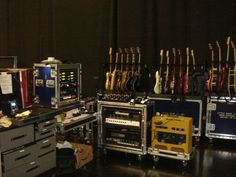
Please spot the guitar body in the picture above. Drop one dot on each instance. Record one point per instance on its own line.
(172, 83)
(186, 80)
(223, 79)
(113, 80)
(128, 84)
(134, 81)
(157, 88)
(118, 80)
(180, 83)
(108, 81)
(123, 80)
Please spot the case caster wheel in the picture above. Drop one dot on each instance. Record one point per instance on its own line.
(140, 157)
(184, 163)
(155, 158)
(197, 139)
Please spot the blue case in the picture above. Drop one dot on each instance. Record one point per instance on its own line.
(190, 107)
(221, 118)
(57, 84)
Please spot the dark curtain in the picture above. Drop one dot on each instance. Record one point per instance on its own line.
(82, 31)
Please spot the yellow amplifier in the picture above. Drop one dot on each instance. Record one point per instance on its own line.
(172, 133)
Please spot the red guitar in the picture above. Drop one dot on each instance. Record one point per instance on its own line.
(167, 72)
(172, 78)
(224, 70)
(186, 73)
(180, 78)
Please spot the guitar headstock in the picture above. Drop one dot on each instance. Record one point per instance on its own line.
(210, 46)
(110, 51)
(187, 51)
(228, 40)
(179, 52)
(218, 44)
(232, 44)
(167, 57)
(161, 52)
(192, 53)
(138, 50)
(174, 52)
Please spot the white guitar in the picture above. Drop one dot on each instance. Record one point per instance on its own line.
(158, 86)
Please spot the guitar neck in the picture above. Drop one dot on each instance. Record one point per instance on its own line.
(110, 59)
(193, 57)
(161, 54)
(219, 54)
(139, 59)
(187, 69)
(227, 55)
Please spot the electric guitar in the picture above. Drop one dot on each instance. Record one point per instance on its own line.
(172, 77)
(186, 80)
(133, 75)
(125, 73)
(114, 74)
(167, 72)
(180, 73)
(119, 72)
(137, 83)
(232, 73)
(224, 70)
(193, 85)
(211, 83)
(158, 76)
(219, 72)
(108, 73)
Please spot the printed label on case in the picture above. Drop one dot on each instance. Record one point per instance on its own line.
(39, 82)
(211, 106)
(50, 83)
(226, 115)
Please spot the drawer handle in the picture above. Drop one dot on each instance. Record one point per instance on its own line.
(46, 146)
(31, 169)
(21, 157)
(18, 137)
(46, 132)
(49, 124)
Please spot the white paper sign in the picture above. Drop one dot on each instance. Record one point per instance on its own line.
(6, 83)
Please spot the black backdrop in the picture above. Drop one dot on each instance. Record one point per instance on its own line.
(82, 31)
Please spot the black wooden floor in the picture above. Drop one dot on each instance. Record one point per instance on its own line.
(209, 160)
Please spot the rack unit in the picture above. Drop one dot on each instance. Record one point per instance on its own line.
(124, 127)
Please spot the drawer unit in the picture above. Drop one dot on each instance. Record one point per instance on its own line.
(46, 145)
(19, 157)
(30, 169)
(44, 134)
(16, 137)
(50, 124)
(47, 161)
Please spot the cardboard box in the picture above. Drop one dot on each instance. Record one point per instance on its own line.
(84, 154)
